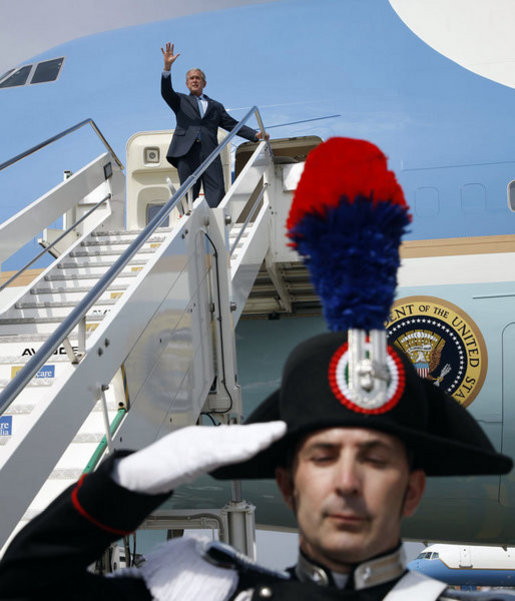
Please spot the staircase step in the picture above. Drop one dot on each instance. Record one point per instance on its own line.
(34, 383)
(21, 360)
(25, 403)
(93, 425)
(108, 251)
(42, 325)
(48, 492)
(93, 278)
(45, 377)
(77, 289)
(35, 320)
(95, 265)
(113, 244)
(57, 304)
(127, 233)
(71, 296)
(70, 473)
(23, 338)
(21, 347)
(58, 312)
(117, 247)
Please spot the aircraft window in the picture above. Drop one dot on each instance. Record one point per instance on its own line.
(18, 78)
(41, 72)
(6, 74)
(47, 70)
(152, 210)
(434, 555)
(425, 555)
(511, 196)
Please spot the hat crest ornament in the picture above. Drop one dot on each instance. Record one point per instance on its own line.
(347, 219)
(368, 377)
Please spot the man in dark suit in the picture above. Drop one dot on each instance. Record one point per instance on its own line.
(195, 136)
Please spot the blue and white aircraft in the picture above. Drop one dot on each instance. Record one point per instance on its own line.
(467, 566)
(429, 83)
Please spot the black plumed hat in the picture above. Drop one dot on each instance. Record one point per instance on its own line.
(444, 438)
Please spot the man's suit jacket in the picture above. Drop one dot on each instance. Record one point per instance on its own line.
(190, 124)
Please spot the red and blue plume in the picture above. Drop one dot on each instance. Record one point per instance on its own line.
(347, 219)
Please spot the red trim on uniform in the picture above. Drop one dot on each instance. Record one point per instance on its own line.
(90, 518)
(349, 403)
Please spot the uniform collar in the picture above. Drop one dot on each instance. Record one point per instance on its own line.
(373, 572)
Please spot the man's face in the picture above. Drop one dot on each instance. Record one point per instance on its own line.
(195, 83)
(349, 488)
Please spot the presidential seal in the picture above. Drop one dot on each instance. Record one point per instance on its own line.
(443, 342)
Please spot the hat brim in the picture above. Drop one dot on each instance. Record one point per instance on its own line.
(436, 454)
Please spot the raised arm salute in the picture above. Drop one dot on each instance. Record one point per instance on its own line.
(49, 558)
(198, 118)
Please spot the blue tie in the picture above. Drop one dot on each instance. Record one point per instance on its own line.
(200, 107)
(201, 111)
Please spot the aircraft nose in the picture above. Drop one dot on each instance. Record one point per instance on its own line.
(413, 565)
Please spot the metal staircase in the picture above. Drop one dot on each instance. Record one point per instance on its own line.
(33, 317)
(121, 338)
(67, 282)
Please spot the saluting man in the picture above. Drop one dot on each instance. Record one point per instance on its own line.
(350, 437)
(195, 135)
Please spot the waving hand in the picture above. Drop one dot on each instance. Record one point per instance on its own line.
(169, 56)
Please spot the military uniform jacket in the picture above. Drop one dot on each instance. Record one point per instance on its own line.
(49, 559)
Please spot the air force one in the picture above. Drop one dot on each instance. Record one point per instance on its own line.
(430, 83)
(467, 566)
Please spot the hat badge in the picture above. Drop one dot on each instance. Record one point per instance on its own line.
(365, 375)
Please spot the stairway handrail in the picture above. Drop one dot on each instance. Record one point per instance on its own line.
(58, 136)
(16, 385)
(50, 246)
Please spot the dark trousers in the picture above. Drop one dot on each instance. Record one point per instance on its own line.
(212, 179)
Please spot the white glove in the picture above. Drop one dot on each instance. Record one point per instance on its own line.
(186, 454)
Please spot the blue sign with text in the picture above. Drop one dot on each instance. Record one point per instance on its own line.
(47, 371)
(6, 425)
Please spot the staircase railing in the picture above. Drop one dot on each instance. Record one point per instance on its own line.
(56, 241)
(16, 385)
(58, 136)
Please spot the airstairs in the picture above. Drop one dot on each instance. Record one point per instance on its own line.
(129, 333)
